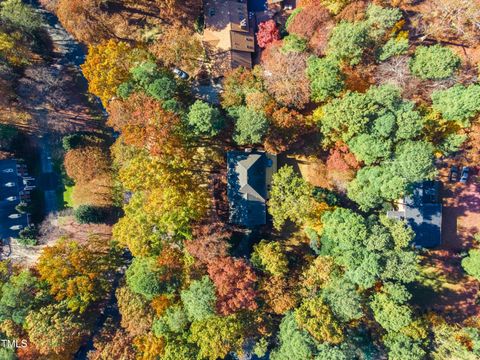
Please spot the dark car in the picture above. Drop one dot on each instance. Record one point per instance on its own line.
(453, 174)
(465, 173)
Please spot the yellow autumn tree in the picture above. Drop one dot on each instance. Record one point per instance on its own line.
(78, 273)
(107, 66)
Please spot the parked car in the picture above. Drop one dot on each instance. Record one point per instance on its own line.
(181, 74)
(453, 177)
(465, 173)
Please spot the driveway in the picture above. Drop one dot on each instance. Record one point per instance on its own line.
(451, 291)
(461, 213)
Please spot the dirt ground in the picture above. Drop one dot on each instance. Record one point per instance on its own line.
(312, 169)
(53, 228)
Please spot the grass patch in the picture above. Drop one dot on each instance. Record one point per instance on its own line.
(67, 197)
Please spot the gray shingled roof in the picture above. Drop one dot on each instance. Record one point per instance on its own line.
(423, 212)
(247, 188)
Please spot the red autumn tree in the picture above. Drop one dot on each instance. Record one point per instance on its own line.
(341, 164)
(315, 23)
(209, 243)
(234, 280)
(267, 33)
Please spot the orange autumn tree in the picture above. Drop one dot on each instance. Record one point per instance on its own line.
(84, 19)
(145, 124)
(179, 46)
(234, 280)
(278, 293)
(84, 164)
(89, 167)
(288, 127)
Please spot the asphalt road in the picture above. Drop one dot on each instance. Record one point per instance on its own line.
(67, 52)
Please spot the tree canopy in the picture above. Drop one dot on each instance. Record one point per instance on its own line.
(434, 62)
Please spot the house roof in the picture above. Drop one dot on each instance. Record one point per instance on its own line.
(242, 42)
(228, 34)
(247, 188)
(423, 212)
(10, 198)
(240, 58)
(238, 15)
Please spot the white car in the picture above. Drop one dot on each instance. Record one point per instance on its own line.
(180, 73)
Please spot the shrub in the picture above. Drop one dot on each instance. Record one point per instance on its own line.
(325, 195)
(72, 141)
(393, 47)
(88, 214)
(78, 140)
(434, 62)
(294, 43)
(28, 236)
(8, 134)
(20, 15)
(471, 264)
(22, 207)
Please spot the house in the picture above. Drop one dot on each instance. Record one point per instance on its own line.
(248, 186)
(228, 37)
(15, 186)
(422, 210)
